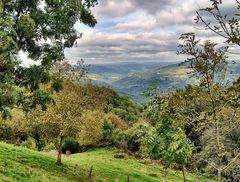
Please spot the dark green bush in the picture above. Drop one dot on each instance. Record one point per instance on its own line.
(70, 144)
(107, 131)
(6, 133)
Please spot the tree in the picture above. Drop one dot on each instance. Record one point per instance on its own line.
(171, 145)
(226, 26)
(179, 151)
(62, 119)
(222, 112)
(41, 29)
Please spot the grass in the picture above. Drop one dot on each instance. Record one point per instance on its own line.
(21, 164)
(107, 168)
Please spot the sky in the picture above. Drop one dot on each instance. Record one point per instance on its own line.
(140, 30)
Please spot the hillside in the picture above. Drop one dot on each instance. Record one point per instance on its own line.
(21, 164)
(171, 76)
(134, 80)
(107, 74)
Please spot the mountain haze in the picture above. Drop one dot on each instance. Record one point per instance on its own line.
(133, 79)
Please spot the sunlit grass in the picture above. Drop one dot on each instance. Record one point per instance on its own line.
(21, 164)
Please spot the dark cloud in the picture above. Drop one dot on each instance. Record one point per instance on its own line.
(116, 8)
(154, 6)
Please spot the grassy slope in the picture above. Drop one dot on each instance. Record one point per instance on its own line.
(20, 164)
(108, 168)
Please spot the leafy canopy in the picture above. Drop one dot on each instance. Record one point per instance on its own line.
(41, 29)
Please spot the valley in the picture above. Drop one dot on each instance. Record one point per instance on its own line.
(132, 79)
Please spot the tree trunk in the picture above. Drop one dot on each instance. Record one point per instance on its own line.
(183, 173)
(59, 156)
(219, 175)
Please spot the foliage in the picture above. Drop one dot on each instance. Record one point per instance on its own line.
(205, 60)
(223, 25)
(140, 138)
(107, 131)
(171, 144)
(91, 134)
(119, 139)
(29, 143)
(82, 119)
(33, 28)
(125, 108)
(221, 111)
(70, 144)
(6, 132)
(50, 146)
(179, 150)
(137, 138)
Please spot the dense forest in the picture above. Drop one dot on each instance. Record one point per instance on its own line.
(47, 108)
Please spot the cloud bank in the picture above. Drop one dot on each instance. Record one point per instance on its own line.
(140, 30)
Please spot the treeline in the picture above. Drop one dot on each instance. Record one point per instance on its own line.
(79, 111)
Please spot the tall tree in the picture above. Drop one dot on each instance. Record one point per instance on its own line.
(41, 29)
(222, 110)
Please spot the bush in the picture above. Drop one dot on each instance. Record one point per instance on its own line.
(29, 143)
(49, 147)
(138, 138)
(70, 144)
(107, 131)
(119, 138)
(6, 133)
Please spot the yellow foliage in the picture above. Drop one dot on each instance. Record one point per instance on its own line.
(116, 120)
(91, 127)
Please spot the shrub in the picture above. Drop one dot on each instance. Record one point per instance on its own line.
(140, 138)
(119, 138)
(29, 143)
(107, 131)
(70, 144)
(6, 132)
(49, 147)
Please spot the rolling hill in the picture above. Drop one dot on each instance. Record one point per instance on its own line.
(25, 165)
(133, 79)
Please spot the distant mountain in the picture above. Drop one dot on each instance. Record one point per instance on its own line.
(167, 77)
(133, 79)
(108, 74)
(125, 67)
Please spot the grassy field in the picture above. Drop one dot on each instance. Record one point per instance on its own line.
(21, 164)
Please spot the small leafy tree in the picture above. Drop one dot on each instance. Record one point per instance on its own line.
(179, 151)
(170, 145)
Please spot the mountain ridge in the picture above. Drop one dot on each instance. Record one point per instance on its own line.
(134, 78)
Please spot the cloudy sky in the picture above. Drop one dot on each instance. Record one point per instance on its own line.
(139, 30)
